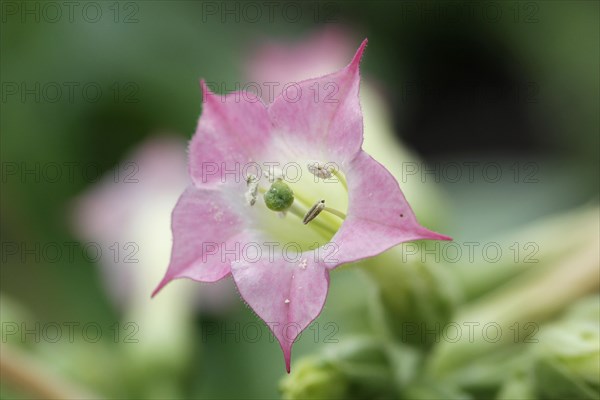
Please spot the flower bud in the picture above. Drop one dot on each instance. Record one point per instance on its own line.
(413, 300)
(314, 378)
(568, 356)
(354, 368)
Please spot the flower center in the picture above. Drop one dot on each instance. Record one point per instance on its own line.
(303, 211)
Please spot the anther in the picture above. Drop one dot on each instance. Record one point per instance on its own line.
(314, 211)
(274, 174)
(252, 184)
(323, 171)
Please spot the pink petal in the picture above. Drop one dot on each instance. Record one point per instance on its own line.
(287, 295)
(323, 114)
(379, 217)
(231, 132)
(204, 225)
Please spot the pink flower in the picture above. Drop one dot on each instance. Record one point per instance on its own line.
(220, 227)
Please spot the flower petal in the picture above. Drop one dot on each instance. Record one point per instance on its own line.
(379, 217)
(322, 115)
(287, 295)
(231, 132)
(204, 226)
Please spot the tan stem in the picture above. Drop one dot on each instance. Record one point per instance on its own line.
(27, 374)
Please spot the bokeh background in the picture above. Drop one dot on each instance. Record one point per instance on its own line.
(487, 114)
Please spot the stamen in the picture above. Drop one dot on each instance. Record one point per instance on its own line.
(323, 171)
(326, 171)
(335, 212)
(317, 208)
(314, 211)
(341, 178)
(252, 184)
(281, 199)
(274, 174)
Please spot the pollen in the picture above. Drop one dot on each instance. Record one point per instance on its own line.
(252, 185)
(321, 170)
(303, 263)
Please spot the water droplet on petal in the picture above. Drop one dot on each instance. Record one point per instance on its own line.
(287, 301)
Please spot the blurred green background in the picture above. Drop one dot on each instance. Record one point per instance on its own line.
(514, 84)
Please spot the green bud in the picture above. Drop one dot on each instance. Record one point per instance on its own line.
(279, 197)
(354, 368)
(518, 386)
(567, 357)
(313, 378)
(434, 389)
(411, 299)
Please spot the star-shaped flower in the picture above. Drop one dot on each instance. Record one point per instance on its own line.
(326, 201)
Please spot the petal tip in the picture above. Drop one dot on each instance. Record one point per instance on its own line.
(206, 92)
(159, 287)
(359, 53)
(287, 355)
(431, 235)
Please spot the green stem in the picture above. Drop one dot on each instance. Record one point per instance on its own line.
(342, 179)
(335, 212)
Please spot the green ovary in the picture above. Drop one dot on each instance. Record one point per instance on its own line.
(295, 197)
(279, 197)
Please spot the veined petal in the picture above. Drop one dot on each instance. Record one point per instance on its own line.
(231, 132)
(322, 114)
(379, 217)
(204, 226)
(287, 295)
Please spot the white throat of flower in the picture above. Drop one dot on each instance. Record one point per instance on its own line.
(286, 198)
